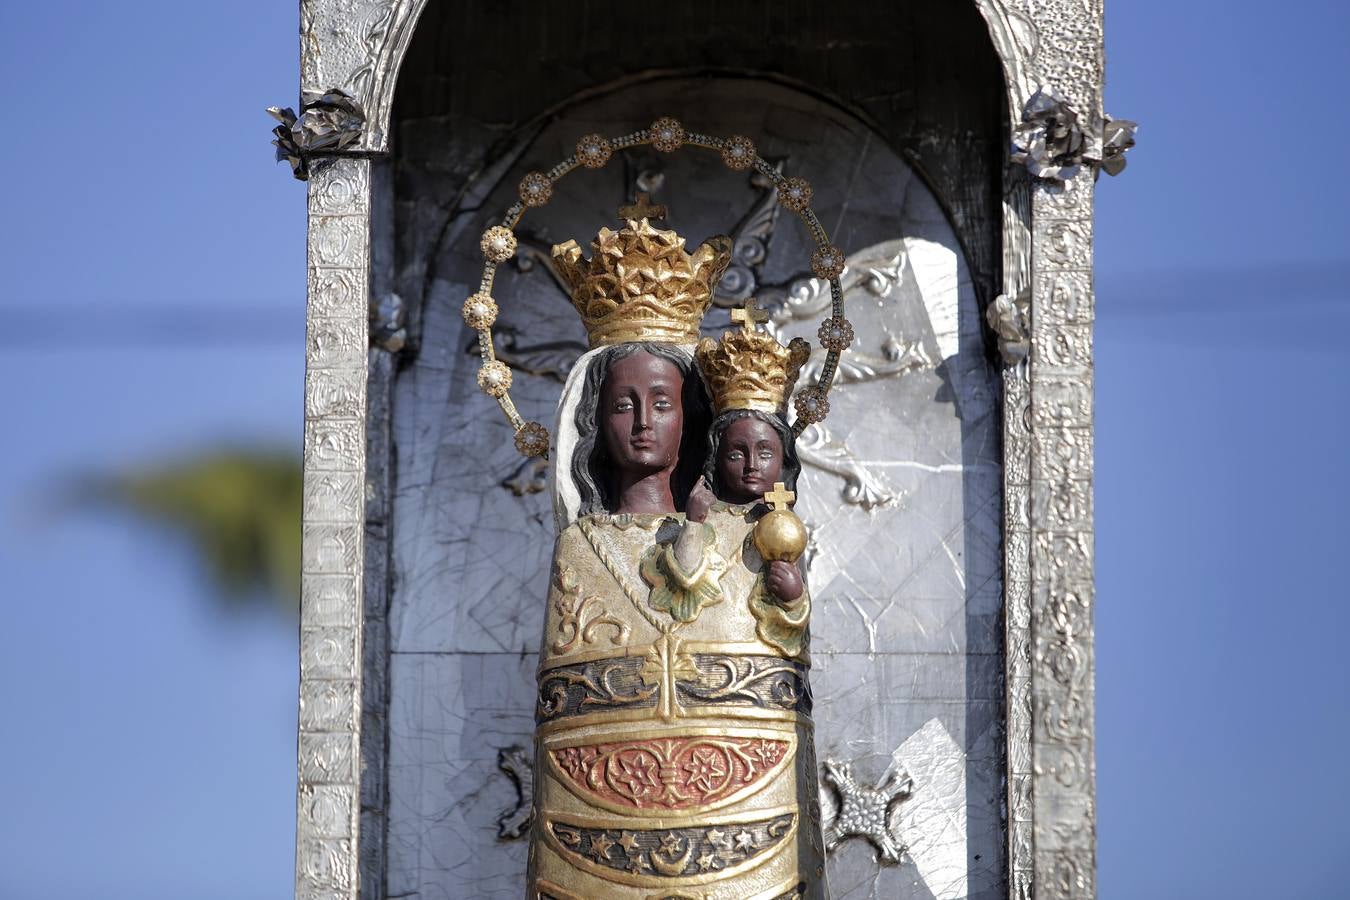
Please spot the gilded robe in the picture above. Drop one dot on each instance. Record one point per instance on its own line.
(674, 741)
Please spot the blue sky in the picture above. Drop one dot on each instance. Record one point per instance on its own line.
(150, 740)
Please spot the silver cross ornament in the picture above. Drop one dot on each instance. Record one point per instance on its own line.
(866, 812)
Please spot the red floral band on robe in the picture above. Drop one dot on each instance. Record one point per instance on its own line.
(672, 773)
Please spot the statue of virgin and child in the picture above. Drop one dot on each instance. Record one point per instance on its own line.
(673, 746)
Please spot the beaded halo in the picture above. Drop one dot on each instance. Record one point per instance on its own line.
(593, 151)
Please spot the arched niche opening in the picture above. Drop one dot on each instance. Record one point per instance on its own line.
(897, 116)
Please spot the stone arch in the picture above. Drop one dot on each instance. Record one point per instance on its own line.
(1012, 34)
(927, 77)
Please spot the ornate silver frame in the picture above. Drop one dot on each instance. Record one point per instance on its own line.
(358, 46)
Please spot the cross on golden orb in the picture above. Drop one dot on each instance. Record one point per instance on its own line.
(779, 497)
(749, 315)
(642, 208)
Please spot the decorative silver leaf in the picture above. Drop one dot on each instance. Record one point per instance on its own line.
(1049, 142)
(863, 486)
(328, 121)
(1009, 322)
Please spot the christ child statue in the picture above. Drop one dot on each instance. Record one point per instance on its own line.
(752, 459)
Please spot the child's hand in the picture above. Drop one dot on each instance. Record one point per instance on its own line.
(784, 582)
(699, 502)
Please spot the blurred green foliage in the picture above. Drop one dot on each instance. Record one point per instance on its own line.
(241, 511)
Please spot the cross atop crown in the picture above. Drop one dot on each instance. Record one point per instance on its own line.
(780, 496)
(749, 315)
(642, 208)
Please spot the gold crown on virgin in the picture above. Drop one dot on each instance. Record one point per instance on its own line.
(749, 369)
(640, 284)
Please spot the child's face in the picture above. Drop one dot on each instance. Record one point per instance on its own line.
(749, 460)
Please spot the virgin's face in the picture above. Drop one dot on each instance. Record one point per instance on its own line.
(749, 459)
(641, 418)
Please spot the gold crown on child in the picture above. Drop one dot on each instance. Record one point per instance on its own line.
(749, 369)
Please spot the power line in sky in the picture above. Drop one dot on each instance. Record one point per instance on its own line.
(1319, 287)
(114, 326)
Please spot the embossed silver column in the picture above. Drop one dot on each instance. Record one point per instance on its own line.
(1062, 544)
(330, 613)
(1017, 549)
(1069, 59)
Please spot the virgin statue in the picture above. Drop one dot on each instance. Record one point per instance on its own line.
(673, 742)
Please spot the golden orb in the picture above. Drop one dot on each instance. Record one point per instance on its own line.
(780, 535)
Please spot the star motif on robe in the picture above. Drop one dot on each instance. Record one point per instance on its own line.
(629, 842)
(707, 862)
(600, 846)
(745, 841)
(670, 844)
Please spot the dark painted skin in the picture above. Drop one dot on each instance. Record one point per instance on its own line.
(749, 462)
(641, 423)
